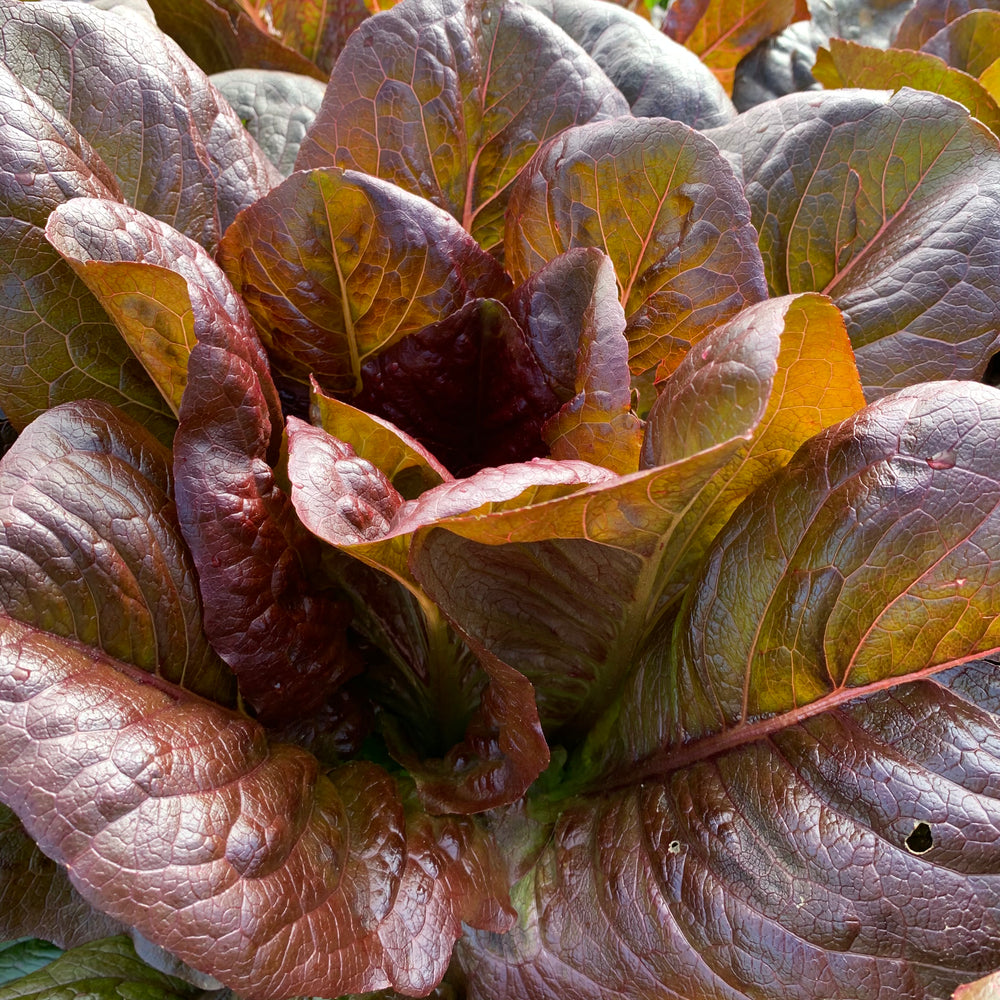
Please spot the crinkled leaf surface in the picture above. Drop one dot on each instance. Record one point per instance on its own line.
(56, 343)
(239, 857)
(722, 32)
(276, 108)
(284, 642)
(927, 17)
(847, 64)
(657, 76)
(226, 35)
(471, 388)
(90, 546)
(102, 970)
(449, 98)
(177, 149)
(970, 43)
(662, 202)
(335, 265)
(574, 298)
(409, 466)
(799, 807)
(36, 896)
(891, 205)
(567, 591)
(781, 869)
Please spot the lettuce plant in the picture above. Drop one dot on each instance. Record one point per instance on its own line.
(518, 530)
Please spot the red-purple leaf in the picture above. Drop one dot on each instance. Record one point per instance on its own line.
(177, 149)
(794, 867)
(335, 266)
(284, 641)
(660, 200)
(890, 204)
(448, 99)
(56, 343)
(568, 591)
(90, 546)
(927, 17)
(239, 857)
(470, 388)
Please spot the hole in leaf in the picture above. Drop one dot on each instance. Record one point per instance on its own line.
(920, 840)
(992, 374)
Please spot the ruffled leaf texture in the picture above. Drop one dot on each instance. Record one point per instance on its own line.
(802, 777)
(449, 98)
(285, 643)
(178, 151)
(242, 859)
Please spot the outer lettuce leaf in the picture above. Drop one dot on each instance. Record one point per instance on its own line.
(891, 205)
(103, 970)
(335, 265)
(285, 642)
(661, 201)
(568, 591)
(36, 897)
(657, 76)
(20, 958)
(276, 108)
(90, 546)
(240, 858)
(227, 35)
(449, 99)
(177, 149)
(56, 343)
(970, 43)
(927, 17)
(722, 32)
(318, 29)
(847, 64)
(794, 867)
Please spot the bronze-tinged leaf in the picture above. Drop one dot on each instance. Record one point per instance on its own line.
(56, 343)
(285, 642)
(240, 857)
(90, 546)
(226, 35)
(853, 856)
(335, 265)
(568, 591)
(176, 148)
(927, 17)
(449, 98)
(890, 204)
(970, 43)
(660, 200)
(722, 32)
(318, 29)
(848, 64)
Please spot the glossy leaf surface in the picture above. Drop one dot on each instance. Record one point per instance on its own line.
(471, 388)
(283, 641)
(287, 862)
(567, 591)
(19, 958)
(90, 546)
(890, 204)
(790, 854)
(177, 149)
(335, 265)
(847, 64)
(448, 99)
(663, 204)
(57, 344)
(657, 76)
